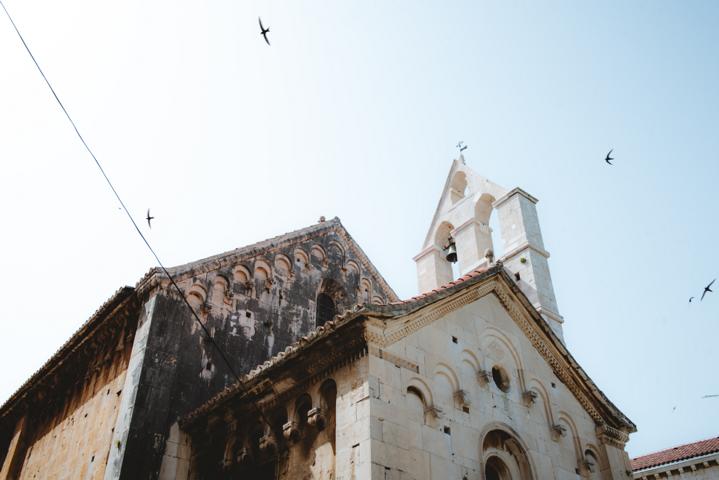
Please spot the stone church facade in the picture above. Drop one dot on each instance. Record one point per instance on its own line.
(340, 379)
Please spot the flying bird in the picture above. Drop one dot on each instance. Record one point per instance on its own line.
(609, 159)
(149, 218)
(690, 299)
(264, 31)
(707, 289)
(462, 147)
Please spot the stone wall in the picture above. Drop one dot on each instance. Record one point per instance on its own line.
(469, 390)
(254, 305)
(321, 432)
(69, 435)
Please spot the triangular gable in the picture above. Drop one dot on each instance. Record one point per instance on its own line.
(215, 262)
(394, 322)
(476, 186)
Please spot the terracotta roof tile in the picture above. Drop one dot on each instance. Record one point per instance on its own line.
(441, 288)
(670, 455)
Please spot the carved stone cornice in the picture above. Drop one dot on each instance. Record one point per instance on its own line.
(612, 436)
(418, 320)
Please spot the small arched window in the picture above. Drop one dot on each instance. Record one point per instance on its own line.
(326, 309)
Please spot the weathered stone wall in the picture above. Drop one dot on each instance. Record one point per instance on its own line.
(318, 433)
(441, 391)
(254, 305)
(78, 446)
(69, 436)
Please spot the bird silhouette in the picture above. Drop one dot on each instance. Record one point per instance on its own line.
(462, 147)
(690, 299)
(707, 289)
(263, 31)
(149, 218)
(609, 159)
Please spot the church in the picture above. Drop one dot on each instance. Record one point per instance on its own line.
(315, 369)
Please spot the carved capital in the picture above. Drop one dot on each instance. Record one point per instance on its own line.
(434, 411)
(558, 431)
(483, 377)
(529, 397)
(290, 431)
(316, 418)
(612, 436)
(462, 398)
(267, 444)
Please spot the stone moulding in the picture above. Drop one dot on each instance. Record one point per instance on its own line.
(612, 436)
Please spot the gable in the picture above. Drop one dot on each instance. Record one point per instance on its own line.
(460, 199)
(501, 312)
(324, 246)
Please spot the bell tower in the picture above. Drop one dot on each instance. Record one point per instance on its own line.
(460, 233)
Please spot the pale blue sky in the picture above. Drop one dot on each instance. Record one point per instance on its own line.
(354, 111)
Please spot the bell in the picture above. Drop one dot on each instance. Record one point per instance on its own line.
(451, 250)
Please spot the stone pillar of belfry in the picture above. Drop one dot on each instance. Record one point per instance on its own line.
(524, 253)
(432, 268)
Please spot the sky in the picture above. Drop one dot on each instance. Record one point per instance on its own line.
(354, 111)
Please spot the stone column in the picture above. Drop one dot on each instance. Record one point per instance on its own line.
(525, 254)
(472, 238)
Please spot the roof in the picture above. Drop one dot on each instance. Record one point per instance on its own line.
(675, 454)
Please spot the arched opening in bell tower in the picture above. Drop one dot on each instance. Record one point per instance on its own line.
(488, 222)
(446, 243)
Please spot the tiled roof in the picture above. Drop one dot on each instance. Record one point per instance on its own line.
(671, 455)
(442, 288)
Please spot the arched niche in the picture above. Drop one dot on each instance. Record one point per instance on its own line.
(283, 266)
(318, 255)
(263, 271)
(301, 259)
(416, 405)
(458, 187)
(220, 289)
(483, 208)
(504, 456)
(241, 274)
(500, 351)
(196, 297)
(336, 250)
(330, 301)
(442, 234)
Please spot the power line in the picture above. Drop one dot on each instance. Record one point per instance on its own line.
(134, 224)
